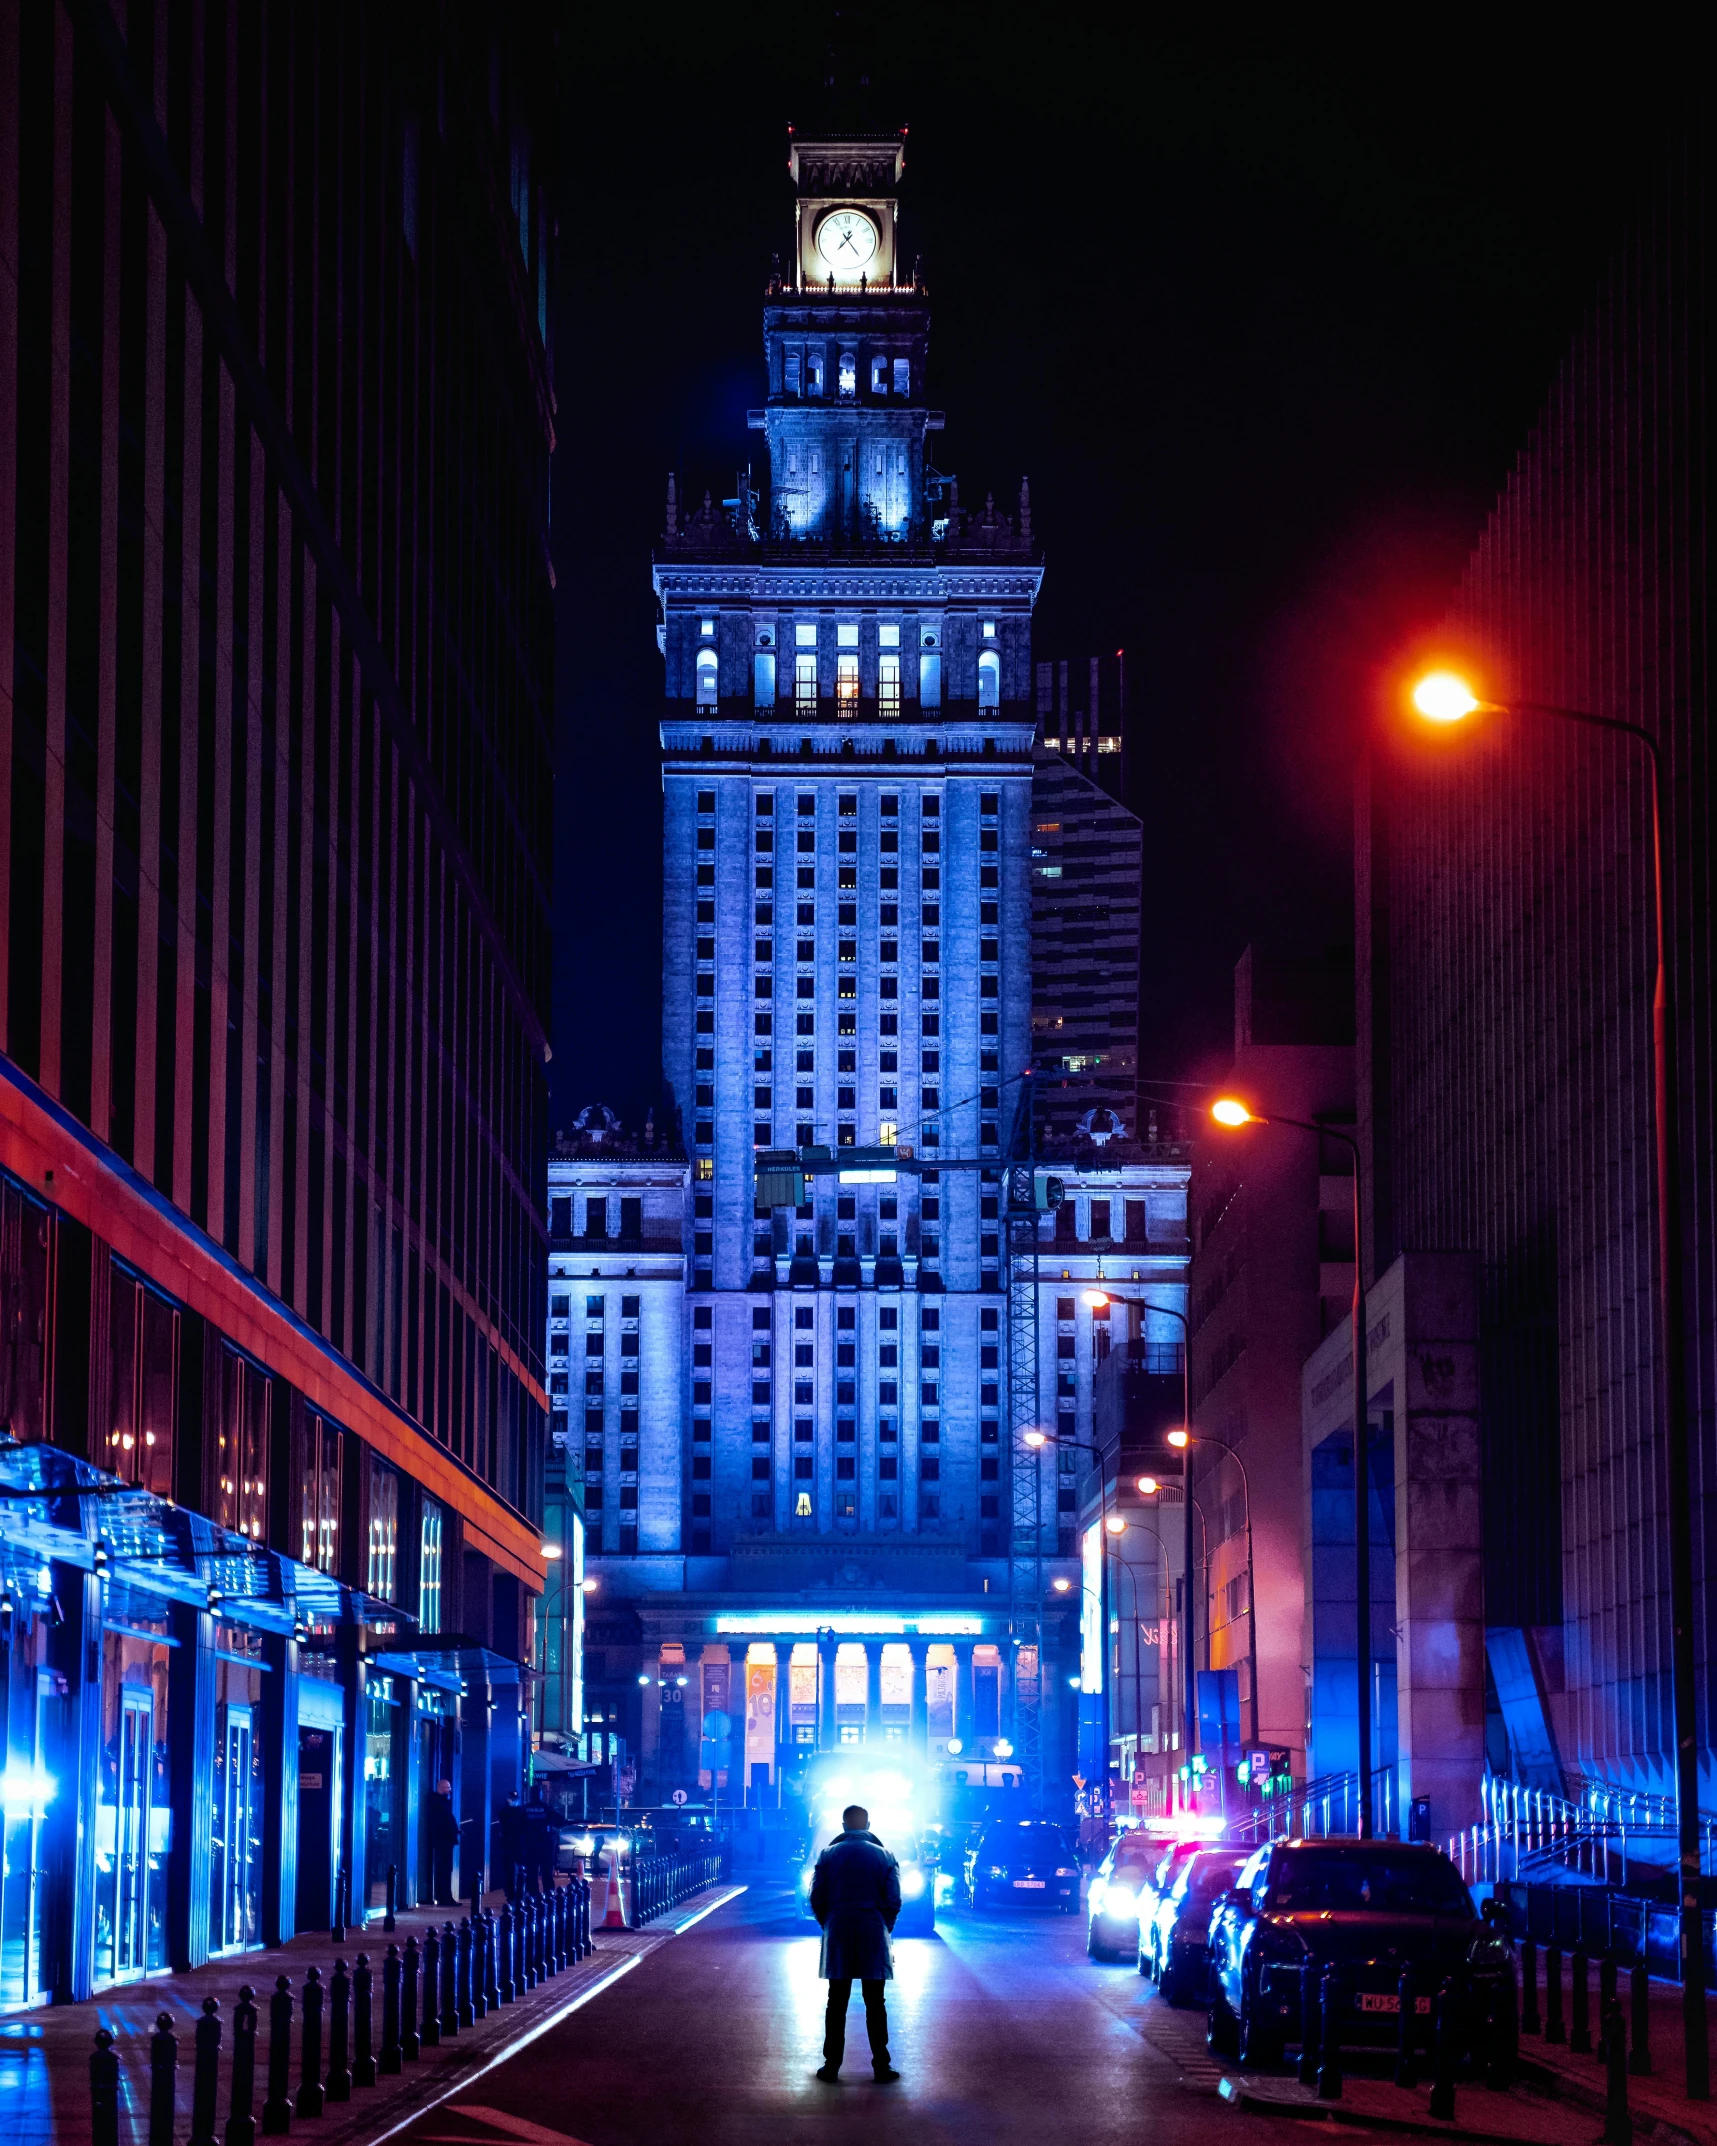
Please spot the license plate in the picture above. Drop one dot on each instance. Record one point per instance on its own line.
(1372, 2003)
(1030, 1885)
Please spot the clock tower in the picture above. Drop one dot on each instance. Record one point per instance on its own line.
(846, 335)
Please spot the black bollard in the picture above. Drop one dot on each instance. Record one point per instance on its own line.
(163, 2080)
(550, 1965)
(409, 1975)
(1502, 2038)
(533, 1939)
(1443, 2080)
(1406, 2031)
(491, 1960)
(557, 1902)
(431, 2037)
(206, 2074)
(449, 1980)
(1639, 1992)
(1329, 2037)
(1580, 1988)
(1606, 2001)
(586, 1937)
(310, 2095)
(479, 1964)
(363, 2024)
(388, 2061)
(241, 2121)
(277, 2109)
(1555, 2028)
(388, 1919)
(1308, 2073)
(467, 2011)
(339, 2034)
(508, 1928)
(1530, 2023)
(337, 1929)
(1618, 2123)
(103, 2092)
(523, 1979)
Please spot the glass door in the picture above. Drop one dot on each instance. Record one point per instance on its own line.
(131, 1860)
(237, 1879)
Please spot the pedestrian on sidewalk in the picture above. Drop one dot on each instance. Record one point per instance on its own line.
(443, 1829)
(855, 1896)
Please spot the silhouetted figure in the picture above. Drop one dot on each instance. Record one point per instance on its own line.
(855, 1896)
(442, 1827)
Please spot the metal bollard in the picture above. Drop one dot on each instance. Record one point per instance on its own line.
(536, 1928)
(1406, 2029)
(388, 2061)
(1502, 2039)
(363, 2023)
(1555, 2029)
(205, 2073)
(310, 2095)
(1443, 2081)
(1530, 2023)
(389, 1922)
(522, 1965)
(337, 1930)
(1606, 2002)
(431, 2036)
(410, 1966)
(551, 1959)
(277, 2109)
(163, 2080)
(462, 1981)
(241, 2122)
(1580, 2033)
(1329, 2037)
(507, 1930)
(479, 1944)
(1308, 2071)
(1639, 1993)
(103, 2092)
(449, 1980)
(1618, 2123)
(339, 2081)
(491, 1982)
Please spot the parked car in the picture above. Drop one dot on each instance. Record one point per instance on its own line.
(1112, 1901)
(1371, 1908)
(1170, 1862)
(1172, 1941)
(1027, 1861)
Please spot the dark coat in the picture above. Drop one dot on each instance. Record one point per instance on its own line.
(442, 1824)
(855, 1895)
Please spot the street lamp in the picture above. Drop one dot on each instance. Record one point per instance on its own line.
(1204, 1438)
(1447, 697)
(1230, 1111)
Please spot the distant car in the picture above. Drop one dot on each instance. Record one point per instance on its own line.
(585, 1850)
(1027, 1861)
(1371, 1908)
(1171, 1860)
(1112, 1903)
(918, 1863)
(1171, 1943)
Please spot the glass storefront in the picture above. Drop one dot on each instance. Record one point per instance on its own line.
(133, 1813)
(240, 1790)
(27, 1788)
(384, 1724)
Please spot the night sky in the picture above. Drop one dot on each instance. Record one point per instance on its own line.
(1265, 323)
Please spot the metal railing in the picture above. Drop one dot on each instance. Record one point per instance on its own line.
(663, 1881)
(1526, 1833)
(1319, 1809)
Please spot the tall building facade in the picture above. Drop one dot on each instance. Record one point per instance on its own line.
(275, 413)
(817, 1522)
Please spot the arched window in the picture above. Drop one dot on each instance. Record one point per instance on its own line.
(989, 679)
(849, 372)
(706, 677)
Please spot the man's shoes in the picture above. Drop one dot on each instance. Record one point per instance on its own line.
(885, 2075)
(829, 2074)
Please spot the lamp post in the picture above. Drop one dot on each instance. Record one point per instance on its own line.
(1162, 1545)
(1204, 1438)
(1230, 1111)
(1444, 697)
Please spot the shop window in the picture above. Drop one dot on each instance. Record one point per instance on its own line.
(383, 1563)
(143, 1379)
(241, 1447)
(429, 1561)
(319, 1496)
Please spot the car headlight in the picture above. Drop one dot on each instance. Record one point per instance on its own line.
(912, 1883)
(1099, 1891)
(1065, 1870)
(998, 1870)
(1117, 1899)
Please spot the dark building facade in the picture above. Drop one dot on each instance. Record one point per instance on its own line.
(1506, 944)
(275, 414)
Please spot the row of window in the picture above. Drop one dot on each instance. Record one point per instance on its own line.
(812, 684)
(802, 372)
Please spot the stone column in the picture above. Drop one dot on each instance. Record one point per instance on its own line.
(828, 1734)
(965, 1698)
(873, 1691)
(918, 1737)
(783, 1711)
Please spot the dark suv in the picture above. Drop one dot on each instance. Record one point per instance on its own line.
(1372, 1909)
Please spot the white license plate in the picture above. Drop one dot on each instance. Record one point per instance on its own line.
(1030, 1885)
(1368, 2002)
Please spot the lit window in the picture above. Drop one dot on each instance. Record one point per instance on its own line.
(902, 376)
(705, 1168)
(707, 628)
(846, 636)
(888, 685)
(989, 629)
(813, 383)
(706, 678)
(384, 1531)
(429, 1568)
(888, 1132)
(989, 679)
(879, 377)
(805, 682)
(888, 636)
(847, 683)
(849, 373)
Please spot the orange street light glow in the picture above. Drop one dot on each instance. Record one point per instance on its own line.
(1148, 1486)
(1229, 1110)
(1116, 1524)
(1180, 1438)
(1445, 697)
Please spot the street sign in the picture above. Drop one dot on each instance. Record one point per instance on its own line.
(679, 1796)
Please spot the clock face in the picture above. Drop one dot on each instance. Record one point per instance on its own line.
(846, 239)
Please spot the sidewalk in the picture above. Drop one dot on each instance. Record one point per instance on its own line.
(1659, 2102)
(44, 2054)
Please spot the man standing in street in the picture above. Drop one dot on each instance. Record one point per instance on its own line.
(443, 1828)
(855, 1896)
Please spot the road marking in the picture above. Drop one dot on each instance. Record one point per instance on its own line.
(516, 2127)
(681, 1927)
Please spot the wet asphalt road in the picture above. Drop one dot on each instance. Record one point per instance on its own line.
(1002, 2029)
